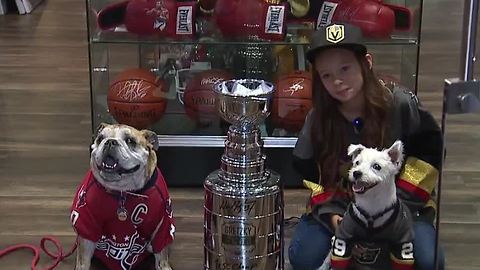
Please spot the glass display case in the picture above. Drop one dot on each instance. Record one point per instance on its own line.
(153, 64)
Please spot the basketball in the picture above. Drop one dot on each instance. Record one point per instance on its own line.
(199, 97)
(136, 97)
(292, 100)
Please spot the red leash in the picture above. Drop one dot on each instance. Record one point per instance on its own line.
(58, 256)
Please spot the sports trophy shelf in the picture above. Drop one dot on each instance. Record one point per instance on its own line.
(154, 63)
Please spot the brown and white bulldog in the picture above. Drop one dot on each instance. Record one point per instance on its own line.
(122, 210)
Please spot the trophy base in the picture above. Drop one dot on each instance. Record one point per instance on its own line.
(243, 227)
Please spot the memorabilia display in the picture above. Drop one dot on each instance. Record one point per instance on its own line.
(154, 63)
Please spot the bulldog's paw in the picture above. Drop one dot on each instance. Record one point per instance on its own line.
(85, 250)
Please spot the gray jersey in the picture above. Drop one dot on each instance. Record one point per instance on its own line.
(395, 235)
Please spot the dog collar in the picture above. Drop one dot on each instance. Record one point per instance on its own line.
(371, 219)
(121, 196)
(151, 182)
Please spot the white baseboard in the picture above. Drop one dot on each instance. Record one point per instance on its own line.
(3, 7)
(30, 5)
(27, 6)
(20, 6)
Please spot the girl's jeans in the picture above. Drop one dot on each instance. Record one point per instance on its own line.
(311, 244)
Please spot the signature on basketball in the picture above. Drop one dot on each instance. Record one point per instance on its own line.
(132, 90)
(295, 87)
(211, 80)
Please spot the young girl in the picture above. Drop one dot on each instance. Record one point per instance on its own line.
(351, 105)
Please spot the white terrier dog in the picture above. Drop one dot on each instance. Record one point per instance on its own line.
(376, 216)
(373, 181)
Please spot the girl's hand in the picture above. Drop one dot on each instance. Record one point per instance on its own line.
(335, 219)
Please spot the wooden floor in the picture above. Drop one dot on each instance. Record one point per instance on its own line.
(45, 134)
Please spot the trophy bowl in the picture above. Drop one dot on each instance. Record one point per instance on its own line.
(243, 103)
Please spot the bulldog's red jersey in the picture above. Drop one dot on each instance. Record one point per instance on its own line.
(123, 244)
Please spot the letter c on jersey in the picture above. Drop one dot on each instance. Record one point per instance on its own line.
(140, 208)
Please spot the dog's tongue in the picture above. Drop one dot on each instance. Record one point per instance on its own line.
(359, 186)
(109, 163)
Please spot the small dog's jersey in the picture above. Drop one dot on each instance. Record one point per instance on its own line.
(96, 215)
(396, 234)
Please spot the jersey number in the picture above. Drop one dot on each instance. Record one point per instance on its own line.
(407, 250)
(74, 217)
(339, 247)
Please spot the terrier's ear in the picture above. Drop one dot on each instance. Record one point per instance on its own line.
(152, 138)
(354, 150)
(395, 152)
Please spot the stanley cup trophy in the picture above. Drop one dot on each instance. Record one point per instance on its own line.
(243, 226)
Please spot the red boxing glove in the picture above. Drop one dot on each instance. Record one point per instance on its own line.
(148, 17)
(165, 18)
(112, 15)
(403, 17)
(274, 22)
(185, 21)
(250, 19)
(372, 16)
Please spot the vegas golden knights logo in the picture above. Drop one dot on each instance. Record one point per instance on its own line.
(335, 33)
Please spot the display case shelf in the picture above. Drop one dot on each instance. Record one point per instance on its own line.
(219, 141)
(127, 38)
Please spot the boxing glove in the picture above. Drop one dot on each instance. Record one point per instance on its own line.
(403, 16)
(250, 19)
(148, 17)
(165, 18)
(112, 15)
(375, 19)
(185, 21)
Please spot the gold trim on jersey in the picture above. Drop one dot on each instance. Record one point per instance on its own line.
(420, 174)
